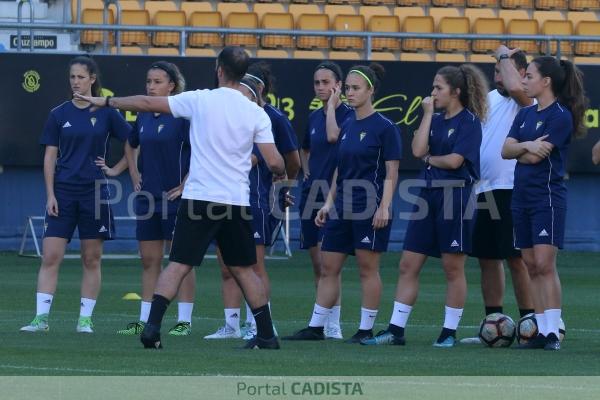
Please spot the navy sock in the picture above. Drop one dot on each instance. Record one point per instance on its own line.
(318, 329)
(524, 311)
(445, 334)
(264, 324)
(493, 309)
(158, 309)
(396, 330)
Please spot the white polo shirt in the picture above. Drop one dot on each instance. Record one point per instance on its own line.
(224, 125)
(496, 173)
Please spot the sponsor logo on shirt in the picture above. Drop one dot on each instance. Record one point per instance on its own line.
(543, 233)
(67, 125)
(539, 123)
(160, 127)
(366, 240)
(102, 229)
(256, 235)
(93, 121)
(362, 135)
(450, 132)
(454, 244)
(344, 137)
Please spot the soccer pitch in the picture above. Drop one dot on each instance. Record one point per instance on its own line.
(62, 351)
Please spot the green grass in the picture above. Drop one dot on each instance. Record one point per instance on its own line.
(64, 352)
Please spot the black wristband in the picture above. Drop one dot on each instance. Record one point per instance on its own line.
(107, 102)
(503, 57)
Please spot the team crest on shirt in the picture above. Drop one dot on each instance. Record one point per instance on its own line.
(450, 132)
(93, 121)
(539, 123)
(160, 127)
(362, 135)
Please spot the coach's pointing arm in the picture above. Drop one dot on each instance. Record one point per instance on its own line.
(155, 104)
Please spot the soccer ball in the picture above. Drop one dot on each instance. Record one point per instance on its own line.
(527, 329)
(497, 330)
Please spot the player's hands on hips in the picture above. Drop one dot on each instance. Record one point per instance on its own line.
(540, 147)
(52, 206)
(381, 217)
(175, 193)
(101, 162)
(322, 214)
(427, 104)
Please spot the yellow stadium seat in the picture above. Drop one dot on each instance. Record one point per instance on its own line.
(577, 16)
(516, 4)
(128, 50)
(155, 6)
(455, 25)
(135, 17)
(414, 3)
(277, 21)
(227, 8)
(379, 2)
(448, 3)
(551, 4)
(440, 12)
(369, 11)
(190, 7)
(96, 16)
(92, 4)
(421, 57)
(543, 16)
(298, 9)
(168, 18)
(309, 54)
(262, 53)
(475, 13)
(210, 19)
(523, 27)
(587, 28)
(509, 15)
(313, 22)
(578, 5)
(384, 23)
(345, 55)
(450, 57)
(482, 3)
(487, 26)
(247, 20)
(163, 51)
(334, 9)
(262, 8)
(129, 5)
(417, 25)
(348, 23)
(481, 58)
(558, 28)
(383, 56)
(586, 60)
(194, 52)
(343, 1)
(403, 12)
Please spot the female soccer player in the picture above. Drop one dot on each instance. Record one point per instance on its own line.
(161, 142)
(319, 159)
(76, 135)
(448, 143)
(357, 214)
(539, 140)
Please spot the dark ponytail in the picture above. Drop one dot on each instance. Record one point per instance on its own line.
(567, 86)
(92, 69)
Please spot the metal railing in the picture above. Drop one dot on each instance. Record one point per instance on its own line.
(184, 31)
(20, 20)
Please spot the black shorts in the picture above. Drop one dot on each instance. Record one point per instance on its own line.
(200, 222)
(493, 237)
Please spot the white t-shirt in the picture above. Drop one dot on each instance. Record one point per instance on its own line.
(224, 125)
(496, 173)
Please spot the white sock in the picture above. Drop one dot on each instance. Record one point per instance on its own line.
(249, 316)
(319, 316)
(367, 318)
(43, 303)
(232, 318)
(452, 317)
(184, 312)
(145, 310)
(334, 316)
(400, 314)
(87, 307)
(541, 323)
(552, 320)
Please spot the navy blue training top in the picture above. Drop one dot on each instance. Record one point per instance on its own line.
(364, 147)
(460, 134)
(542, 184)
(81, 136)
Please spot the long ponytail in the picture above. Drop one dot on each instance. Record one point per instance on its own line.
(473, 87)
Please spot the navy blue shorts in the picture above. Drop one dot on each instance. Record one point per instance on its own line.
(155, 227)
(346, 235)
(79, 210)
(541, 225)
(263, 225)
(310, 233)
(445, 227)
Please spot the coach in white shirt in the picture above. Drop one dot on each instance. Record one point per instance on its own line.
(493, 239)
(224, 125)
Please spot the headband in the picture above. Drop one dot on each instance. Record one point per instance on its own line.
(363, 75)
(324, 66)
(169, 71)
(250, 89)
(256, 78)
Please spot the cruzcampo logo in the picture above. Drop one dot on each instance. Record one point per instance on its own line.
(31, 81)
